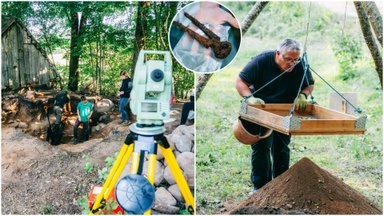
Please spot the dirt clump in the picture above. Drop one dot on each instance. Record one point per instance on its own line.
(307, 187)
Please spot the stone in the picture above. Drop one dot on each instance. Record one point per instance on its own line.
(168, 176)
(112, 117)
(31, 95)
(160, 155)
(101, 126)
(186, 160)
(159, 172)
(183, 143)
(175, 191)
(22, 125)
(104, 105)
(36, 127)
(164, 197)
(165, 209)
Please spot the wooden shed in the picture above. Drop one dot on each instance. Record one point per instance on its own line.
(23, 60)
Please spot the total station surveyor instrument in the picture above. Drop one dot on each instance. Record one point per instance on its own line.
(150, 101)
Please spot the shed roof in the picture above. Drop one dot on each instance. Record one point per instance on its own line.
(8, 22)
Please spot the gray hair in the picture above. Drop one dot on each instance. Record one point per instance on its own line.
(289, 45)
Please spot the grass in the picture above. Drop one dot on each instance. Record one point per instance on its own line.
(223, 164)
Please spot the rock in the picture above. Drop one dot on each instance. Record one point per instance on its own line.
(104, 118)
(186, 160)
(175, 191)
(36, 127)
(112, 117)
(159, 172)
(165, 209)
(101, 126)
(164, 197)
(190, 178)
(96, 128)
(168, 176)
(22, 125)
(160, 155)
(31, 95)
(183, 143)
(104, 105)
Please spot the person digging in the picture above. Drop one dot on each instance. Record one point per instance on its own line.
(84, 113)
(61, 99)
(271, 155)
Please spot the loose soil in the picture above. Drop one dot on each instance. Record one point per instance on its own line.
(307, 188)
(38, 178)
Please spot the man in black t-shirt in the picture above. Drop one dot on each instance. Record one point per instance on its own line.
(259, 71)
(61, 99)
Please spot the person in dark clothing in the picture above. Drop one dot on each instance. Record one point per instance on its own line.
(61, 99)
(124, 92)
(187, 107)
(270, 156)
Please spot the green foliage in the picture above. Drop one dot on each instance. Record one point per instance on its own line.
(47, 208)
(103, 173)
(87, 165)
(84, 205)
(347, 50)
(107, 42)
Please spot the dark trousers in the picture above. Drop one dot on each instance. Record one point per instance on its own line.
(185, 111)
(85, 129)
(270, 158)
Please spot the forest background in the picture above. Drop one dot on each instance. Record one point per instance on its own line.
(93, 41)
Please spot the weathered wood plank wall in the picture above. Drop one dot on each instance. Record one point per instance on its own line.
(22, 61)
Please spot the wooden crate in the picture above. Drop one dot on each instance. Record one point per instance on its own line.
(315, 120)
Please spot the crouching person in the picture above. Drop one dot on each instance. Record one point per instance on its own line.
(84, 113)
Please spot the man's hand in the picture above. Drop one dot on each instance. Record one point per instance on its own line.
(301, 102)
(252, 100)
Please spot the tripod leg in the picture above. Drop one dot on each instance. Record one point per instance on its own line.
(179, 177)
(135, 162)
(116, 170)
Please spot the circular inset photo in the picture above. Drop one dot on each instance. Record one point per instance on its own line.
(205, 36)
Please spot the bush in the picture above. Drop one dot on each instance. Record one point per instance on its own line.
(347, 51)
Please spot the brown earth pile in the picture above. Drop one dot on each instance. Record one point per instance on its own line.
(307, 187)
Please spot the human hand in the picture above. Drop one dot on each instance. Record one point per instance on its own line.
(301, 103)
(121, 92)
(253, 100)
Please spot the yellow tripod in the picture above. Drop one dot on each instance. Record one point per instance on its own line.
(138, 199)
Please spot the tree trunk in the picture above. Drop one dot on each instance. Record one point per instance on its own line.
(252, 15)
(77, 26)
(375, 18)
(370, 40)
(141, 26)
(249, 19)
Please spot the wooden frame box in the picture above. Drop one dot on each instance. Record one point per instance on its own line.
(315, 120)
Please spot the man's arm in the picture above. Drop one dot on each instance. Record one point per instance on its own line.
(242, 87)
(307, 90)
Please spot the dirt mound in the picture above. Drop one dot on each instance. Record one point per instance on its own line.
(268, 210)
(307, 187)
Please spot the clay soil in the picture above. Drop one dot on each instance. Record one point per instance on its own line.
(306, 188)
(38, 178)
